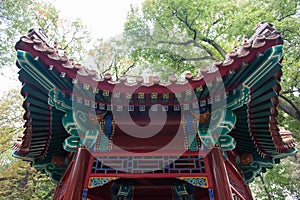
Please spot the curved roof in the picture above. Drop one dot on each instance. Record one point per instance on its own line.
(247, 81)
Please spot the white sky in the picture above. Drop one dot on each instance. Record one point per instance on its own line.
(104, 18)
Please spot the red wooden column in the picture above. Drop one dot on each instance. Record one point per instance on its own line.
(219, 175)
(77, 175)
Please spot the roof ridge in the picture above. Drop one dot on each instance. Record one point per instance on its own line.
(39, 42)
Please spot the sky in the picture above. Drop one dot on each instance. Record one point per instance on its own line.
(104, 19)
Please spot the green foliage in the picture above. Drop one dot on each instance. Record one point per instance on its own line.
(19, 16)
(290, 123)
(18, 180)
(11, 123)
(185, 35)
(111, 57)
(281, 181)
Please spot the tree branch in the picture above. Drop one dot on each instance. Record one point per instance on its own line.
(291, 109)
(163, 27)
(207, 40)
(210, 53)
(289, 15)
(185, 21)
(286, 16)
(73, 38)
(290, 91)
(197, 58)
(128, 68)
(215, 45)
(177, 43)
(117, 71)
(109, 68)
(113, 61)
(195, 43)
(198, 14)
(265, 187)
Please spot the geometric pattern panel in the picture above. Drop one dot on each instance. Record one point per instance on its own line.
(148, 164)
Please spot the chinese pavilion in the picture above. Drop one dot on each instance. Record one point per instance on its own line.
(203, 138)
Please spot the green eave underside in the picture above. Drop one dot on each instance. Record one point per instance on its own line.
(255, 82)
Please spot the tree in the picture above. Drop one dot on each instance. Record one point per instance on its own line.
(111, 57)
(281, 182)
(18, 179)
(19, 16)
(16, 176)
(11, 123)
(181, 35)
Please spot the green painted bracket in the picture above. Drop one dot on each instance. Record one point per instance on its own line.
(251, 170)
(237, 100)
(35, 69)
(269, 60)
(79, 121)
(59, 101)
(216, 129)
